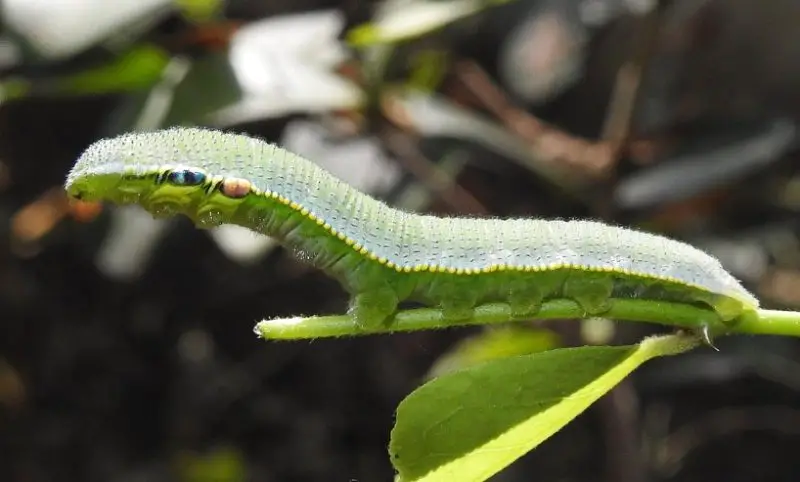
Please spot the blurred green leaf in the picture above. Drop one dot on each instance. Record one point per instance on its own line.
(188, 94)
(200, 10)
(469, 425)
(137, 69)
(221, 465)
(492, 344)
(209, 85)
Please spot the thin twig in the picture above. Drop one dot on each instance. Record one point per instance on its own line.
(551, 143)
(437, 181)
(617, 126)
(619, 409)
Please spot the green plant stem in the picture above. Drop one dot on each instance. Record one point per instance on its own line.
(762, 322)
(770, 322)
(674, 314)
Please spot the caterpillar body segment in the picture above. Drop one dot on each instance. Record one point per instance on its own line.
(384, 256)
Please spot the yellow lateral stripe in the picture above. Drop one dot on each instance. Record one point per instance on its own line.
(502, 267)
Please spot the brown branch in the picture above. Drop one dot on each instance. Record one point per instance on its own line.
(437, 181)
(553, 145)
(617, 126)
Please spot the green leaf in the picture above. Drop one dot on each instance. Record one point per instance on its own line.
(494, 343)
(223, 464)
(210, 84)
(200, 10)
(469, 425)
(136, 69)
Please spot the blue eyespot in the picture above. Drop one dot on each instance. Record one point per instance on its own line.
(186, 177)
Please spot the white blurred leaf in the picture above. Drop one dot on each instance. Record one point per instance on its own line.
(722, 161)
(358, 161)
(130, 242)
(286, 65)
(544, 53)
(240, 244)
(9, 53)
(397, 20)
(60, 28)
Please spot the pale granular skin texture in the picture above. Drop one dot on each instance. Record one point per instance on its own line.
(405, 240)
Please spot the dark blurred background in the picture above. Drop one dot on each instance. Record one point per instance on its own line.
(127, 351)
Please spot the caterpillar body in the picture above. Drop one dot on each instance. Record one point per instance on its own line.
(383, 256)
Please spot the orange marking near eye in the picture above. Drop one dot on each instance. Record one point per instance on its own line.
(234, 187)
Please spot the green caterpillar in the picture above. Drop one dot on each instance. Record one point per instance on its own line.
(384, 256)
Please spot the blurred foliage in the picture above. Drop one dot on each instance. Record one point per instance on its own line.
(494, 343)
(127, 342)
(221, 464)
